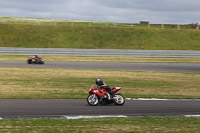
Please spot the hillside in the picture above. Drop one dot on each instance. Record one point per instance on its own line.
(97, 37)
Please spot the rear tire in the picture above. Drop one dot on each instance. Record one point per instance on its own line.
(119, 100)
(92, 100)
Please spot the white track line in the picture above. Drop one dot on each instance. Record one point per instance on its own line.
(147, 99)
(100, 116)
(159, 99)
(124, 116)
(192, 115)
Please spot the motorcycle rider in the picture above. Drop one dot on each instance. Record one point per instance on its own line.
(101, 84)
(36, 56)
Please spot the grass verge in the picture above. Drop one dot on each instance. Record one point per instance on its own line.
(130, 124)
(66, 83)
(101, 59)
(66, 36)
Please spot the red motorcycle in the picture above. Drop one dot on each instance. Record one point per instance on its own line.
(102, 96)
(31, 60)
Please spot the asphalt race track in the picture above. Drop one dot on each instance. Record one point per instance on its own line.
(75, 107)
(160, 67)
(34, 108)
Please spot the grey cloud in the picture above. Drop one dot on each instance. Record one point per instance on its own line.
(155, 11)
(154, 5)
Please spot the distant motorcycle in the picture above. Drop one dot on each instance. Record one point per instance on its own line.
(101, 96)
(35, 60)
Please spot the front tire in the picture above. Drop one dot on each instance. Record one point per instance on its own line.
(119, 100)
(92, 100)
(29, 61)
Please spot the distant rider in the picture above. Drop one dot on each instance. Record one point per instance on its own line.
(101, 84)
(35, 57)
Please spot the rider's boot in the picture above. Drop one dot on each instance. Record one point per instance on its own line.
(112, 93)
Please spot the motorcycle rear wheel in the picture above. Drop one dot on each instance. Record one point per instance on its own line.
(119, 100)
(92, 100)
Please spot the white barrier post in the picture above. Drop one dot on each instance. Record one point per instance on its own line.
(178, 27)
(197, 26)
(149, 26)
(162, 26)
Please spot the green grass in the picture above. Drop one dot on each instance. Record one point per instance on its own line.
(71, 83)
(119, 125)
(101, 59)
(65, 36)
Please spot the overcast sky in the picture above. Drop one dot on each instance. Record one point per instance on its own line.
(121, 11)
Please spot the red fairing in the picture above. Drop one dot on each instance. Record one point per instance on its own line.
(98, 91)
(116, 89)
(34, 58)
(101, 91)
(92, 89)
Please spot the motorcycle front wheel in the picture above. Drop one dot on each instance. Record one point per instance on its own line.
(92, 100)
(29, 61)
(119, 99)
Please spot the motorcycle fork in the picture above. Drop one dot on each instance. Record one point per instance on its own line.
(94, 97)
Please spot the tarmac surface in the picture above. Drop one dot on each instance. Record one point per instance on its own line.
(76, 107)
(158, 67)
(36, 108)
